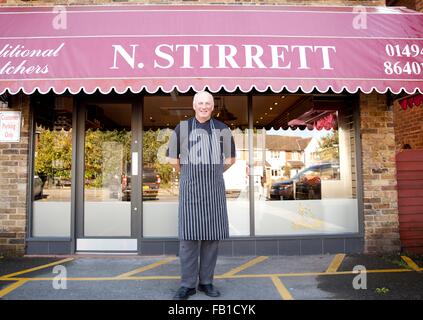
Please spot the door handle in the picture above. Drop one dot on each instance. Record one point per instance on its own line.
(134, 164)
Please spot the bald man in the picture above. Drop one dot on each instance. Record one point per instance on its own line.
(201, 149)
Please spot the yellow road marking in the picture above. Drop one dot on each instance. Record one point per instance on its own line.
(245, 266)
(243, 276)
(283, 291)
(309, 274)
(410, 263)
(12, 287)
(336, 263)
(36, 268)
(97, 279)
(145, 268)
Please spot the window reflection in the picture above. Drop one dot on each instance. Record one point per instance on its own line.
(304, 174)
(52, 165)
(107, 173)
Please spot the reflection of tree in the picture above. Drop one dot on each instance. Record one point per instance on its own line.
(153, 142)
(328, 147)
(54, 155)
(107, 155)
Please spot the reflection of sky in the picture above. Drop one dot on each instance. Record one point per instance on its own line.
(299, 133)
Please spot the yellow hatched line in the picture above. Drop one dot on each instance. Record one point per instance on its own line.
(283, 291)
(36, 268)
(410, 263)
(336, 263)
(145, 268)
(245, 266)
(12, 287)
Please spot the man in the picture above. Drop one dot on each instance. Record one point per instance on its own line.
(201, 148)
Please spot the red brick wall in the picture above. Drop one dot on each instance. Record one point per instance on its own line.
(409, 123)
(408, 126)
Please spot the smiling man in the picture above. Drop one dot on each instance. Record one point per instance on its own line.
(201, 148)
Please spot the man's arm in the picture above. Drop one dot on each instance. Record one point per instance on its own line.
(172, 152)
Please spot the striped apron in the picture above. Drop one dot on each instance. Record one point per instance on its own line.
(202, 200)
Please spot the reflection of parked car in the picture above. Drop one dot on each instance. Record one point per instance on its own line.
(37, 186)
(150, 185)
(307, 183)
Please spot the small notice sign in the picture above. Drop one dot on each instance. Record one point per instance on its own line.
(10, 126)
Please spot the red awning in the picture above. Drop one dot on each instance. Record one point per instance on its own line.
(136, 47)
(415, 100)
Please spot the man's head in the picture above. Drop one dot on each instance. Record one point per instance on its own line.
(203, 105)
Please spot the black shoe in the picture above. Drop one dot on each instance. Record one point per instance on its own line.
(209, 290)
(183, 293)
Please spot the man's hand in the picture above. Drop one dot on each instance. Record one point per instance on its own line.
(175, 164)
(228, 163)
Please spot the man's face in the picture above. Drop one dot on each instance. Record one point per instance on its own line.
(204, 106)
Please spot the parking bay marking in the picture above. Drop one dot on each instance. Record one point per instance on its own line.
(336, 263)
(145, 268)
(12, 287)
(283, 291)
(11, 275)
(411, 263)
(245, 266)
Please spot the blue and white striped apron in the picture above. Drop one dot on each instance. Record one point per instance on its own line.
(202, 200)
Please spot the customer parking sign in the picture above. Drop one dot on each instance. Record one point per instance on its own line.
(10, 126)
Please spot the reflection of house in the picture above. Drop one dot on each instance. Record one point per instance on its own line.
(311, 155)
(284, 155)
(276, 157)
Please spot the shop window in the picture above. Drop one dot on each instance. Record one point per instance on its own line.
(51, 194)
(161, 114)
(107, 170)
(315, 193)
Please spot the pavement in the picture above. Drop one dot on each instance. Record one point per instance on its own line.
(323, 277)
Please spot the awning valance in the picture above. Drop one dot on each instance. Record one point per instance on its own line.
(231, 47)
(410, 102)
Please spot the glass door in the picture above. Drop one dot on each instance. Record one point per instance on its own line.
(107, 207)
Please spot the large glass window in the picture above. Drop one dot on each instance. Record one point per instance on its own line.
(309, 188)
(161, 182)
(51, 194)
(107, 174)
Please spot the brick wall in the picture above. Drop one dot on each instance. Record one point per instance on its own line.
(13, 184)
(408, 126)
(379, 175)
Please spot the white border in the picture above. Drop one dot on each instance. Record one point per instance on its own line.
(106, 244)
(206, 35)
(219, 88)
